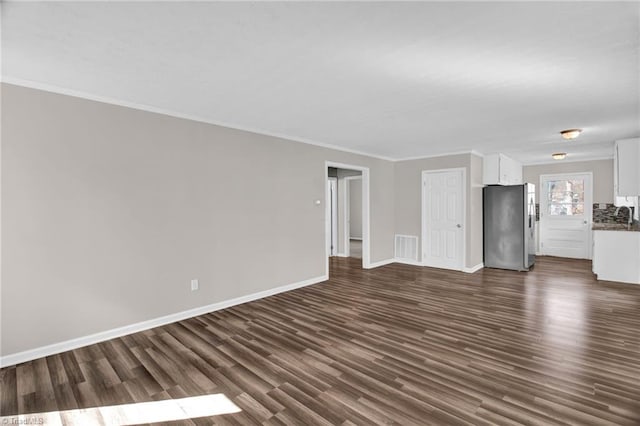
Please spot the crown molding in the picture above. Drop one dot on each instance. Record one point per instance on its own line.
(580, 160)
(156, 110)
(445, 154)
(163, 111)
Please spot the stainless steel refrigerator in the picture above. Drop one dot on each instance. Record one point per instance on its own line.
(509, 226)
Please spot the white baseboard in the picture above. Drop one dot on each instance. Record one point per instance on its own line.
(341, 255)
(379, 263)
(408, 261)
(79, 342)
(417, 263)
(473, 268)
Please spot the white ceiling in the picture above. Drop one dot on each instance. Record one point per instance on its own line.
(391, 79)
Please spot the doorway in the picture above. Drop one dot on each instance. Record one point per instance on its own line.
(332, 205)
(566, 210)
(347, 183)
(443, 218)
(353, 215)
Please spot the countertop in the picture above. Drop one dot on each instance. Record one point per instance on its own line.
(615, 227)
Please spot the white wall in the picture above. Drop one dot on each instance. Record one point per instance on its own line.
(109, 212)
(355, 209)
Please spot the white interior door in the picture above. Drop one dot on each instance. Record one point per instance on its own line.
(332, 206)
(566, 210)
(443, 219)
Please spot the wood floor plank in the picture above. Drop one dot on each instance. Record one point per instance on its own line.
(393, 345)
(8, 390)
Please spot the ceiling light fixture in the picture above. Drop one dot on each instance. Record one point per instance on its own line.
(570, 133)
(559, 155)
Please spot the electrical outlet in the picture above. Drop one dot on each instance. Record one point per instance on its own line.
(194, 285)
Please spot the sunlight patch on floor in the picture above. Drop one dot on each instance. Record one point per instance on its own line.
(129, 414)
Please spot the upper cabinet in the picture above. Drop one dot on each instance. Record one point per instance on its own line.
(498, 169)
(626, 176)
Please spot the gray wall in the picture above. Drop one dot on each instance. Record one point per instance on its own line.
(602, 176)
(355, 208)
(108, 212)
(475, 248)
(408, 197)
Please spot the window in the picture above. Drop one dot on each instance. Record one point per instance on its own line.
(566, 197)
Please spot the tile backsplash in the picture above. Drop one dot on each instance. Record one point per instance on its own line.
(607, 215)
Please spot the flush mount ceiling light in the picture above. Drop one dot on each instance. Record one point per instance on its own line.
(570, 133)
(559, 155)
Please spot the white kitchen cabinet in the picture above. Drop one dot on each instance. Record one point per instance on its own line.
(626, 174)
(498, 169)
(616, 256)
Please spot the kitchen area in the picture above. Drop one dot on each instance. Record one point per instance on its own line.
(616, 232)
(583, 210)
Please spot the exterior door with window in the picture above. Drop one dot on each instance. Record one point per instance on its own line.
(566, 208)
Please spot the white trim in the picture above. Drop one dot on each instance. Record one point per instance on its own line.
(473, 268)
(577, 160)
(332, 209)
(346, 229)
(366, 214)
(380, 263)
(143, 107)
(470, 270)
(408, 262)
(91, 339)
(446, 154)
(341, 255)
(423, 232)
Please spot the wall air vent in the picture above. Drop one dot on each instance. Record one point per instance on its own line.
(406, 247)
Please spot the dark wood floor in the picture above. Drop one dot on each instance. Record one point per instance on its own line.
(398, 344)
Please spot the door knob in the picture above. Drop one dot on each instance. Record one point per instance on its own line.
(584, 221)
(460, 226)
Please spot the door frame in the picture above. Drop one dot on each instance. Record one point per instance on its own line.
(589, 209)
(423, 212)
(332, 211)
(347, 214)
(366, 249)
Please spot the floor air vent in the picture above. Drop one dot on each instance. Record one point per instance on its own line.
(406, 247)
